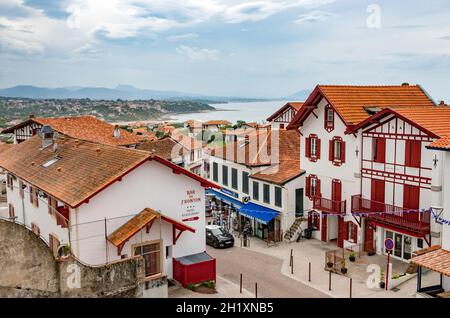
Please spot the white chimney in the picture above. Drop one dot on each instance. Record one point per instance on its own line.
(46, 134)
(116, 132)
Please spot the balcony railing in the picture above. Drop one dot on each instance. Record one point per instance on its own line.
(330, 206)
(415, 221)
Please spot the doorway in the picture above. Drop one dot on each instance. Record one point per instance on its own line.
(299, 210)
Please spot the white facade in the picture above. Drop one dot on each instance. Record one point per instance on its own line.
(152, 185)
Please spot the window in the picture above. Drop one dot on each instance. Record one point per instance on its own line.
(10, 182)
(352, 231)
(312, 147)
(215, 172)
(52, 204)
(21, 188)
(411, 197)
(234, 178)
(314, 220)
(34, 197)
(312, 186)
(192, 155)
(278, 198)
(53, 243)
(379, 150)
(337, 151)
(224, 175)
(35, 229)
(266, 193)
(245, 182)
(329, 118)
(413, 152)
(152, 258)
(420, 243)
(255, 190)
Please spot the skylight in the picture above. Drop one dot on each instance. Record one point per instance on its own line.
(50, 162)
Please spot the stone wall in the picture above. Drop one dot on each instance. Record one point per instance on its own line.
(30, 270)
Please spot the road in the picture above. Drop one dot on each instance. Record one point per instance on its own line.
(260, 268)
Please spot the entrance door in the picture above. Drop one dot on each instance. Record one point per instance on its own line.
(398, 245)
(324, 227)
(299, 202)
(377, 195)
(368, 237)
(152, 257)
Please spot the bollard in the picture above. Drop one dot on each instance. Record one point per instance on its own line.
(240, 284)
(290, 259)
(256, 290)
(351, 283)
(309, 274)
(329, 281)
(292, 265)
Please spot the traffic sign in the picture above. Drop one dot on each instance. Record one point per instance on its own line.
(389, 244)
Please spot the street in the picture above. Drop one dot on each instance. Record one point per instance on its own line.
(261, 268)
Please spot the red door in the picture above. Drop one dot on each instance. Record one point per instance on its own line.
(324, 227)
(377, 195)
(336, 195)
(342, 231)
(411, 199)
(368, 237)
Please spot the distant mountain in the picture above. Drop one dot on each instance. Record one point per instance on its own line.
(126, 92)
(299, 96)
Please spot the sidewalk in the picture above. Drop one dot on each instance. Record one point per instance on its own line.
(313, 251)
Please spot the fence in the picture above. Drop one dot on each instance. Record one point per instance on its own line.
(337, 259)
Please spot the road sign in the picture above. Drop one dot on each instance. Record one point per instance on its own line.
(389, 244)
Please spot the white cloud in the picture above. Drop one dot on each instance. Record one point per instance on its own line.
(314, 16)
(182, 37)
(198, 54)
(19, 46)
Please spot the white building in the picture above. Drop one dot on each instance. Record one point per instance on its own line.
(106, 202)
(261, 182)
(283, 116)
(331, 151)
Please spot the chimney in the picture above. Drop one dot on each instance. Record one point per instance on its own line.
(117, 132)
(31, 116)
(405, 84)
(442, 103)
(46, 136)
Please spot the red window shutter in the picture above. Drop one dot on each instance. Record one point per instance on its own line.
(318, 148)
(406, 196)
(308, 186)
(416, 152)
(408, 153)
(342, 151)
(381, 150)
(331, 151)
(411, 197)
(307, 147)
(318, 193)
(36, 197)
(31, 195)
(310, 219)
(355, 231)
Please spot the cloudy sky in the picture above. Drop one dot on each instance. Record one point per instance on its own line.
(225, 47)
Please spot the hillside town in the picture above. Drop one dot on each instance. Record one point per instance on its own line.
(347, 191)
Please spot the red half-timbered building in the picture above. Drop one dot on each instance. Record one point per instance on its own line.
(283, 116)
(332, 151)
(397, 178)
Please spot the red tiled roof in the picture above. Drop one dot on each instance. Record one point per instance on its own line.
(436, 260)
(295, 105)
(84, 127)
(350, 101)
(4, 146)
(217, 122)
(82, 170)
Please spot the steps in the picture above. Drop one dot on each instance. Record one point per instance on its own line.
(294, 229)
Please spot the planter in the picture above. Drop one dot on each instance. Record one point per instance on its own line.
(371, 253)
(344, 270)
(352, 258)
(382, 285)
(329, 264)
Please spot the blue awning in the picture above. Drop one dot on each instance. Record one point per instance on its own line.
(254, 211)
(225, 198)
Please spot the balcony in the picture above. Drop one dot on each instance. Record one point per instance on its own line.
(416, 222)
(330, 206)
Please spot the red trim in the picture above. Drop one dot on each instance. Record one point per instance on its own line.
(396, 229)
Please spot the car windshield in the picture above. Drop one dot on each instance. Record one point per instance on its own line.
(217, 231)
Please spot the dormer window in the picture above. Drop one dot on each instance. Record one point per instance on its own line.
(329, 118)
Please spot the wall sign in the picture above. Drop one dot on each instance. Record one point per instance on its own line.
(191, 206)
(230, 193)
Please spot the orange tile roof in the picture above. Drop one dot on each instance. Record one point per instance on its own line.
(217, 122)
(350, 101)
(4, 146)
(84, 127)
(161, 147)
(441, 143)
(436, 260)
(135, 224)
(435, 119)
(82, 170)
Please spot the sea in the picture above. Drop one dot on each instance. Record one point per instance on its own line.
(249, 112)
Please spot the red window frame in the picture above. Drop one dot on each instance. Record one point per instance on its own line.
(313, 139)
(311, 190)
(413, 153)
(329, 123)
(337, 160)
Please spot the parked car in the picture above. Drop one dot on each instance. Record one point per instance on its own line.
(217, 237)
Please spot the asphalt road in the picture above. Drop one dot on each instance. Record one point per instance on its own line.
(260, 268)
